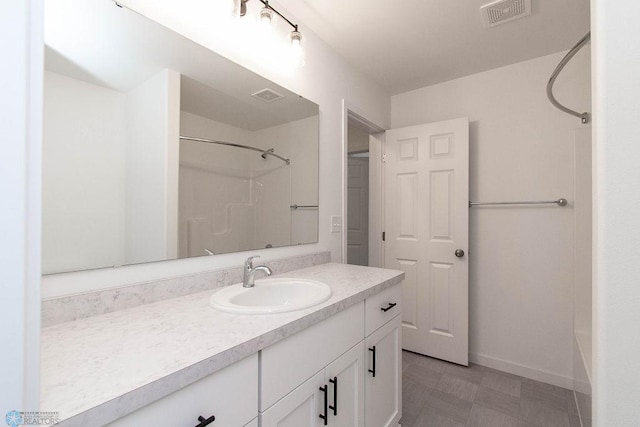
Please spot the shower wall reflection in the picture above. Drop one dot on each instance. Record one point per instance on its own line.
(233, 199)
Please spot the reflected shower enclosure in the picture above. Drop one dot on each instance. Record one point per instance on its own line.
(237, 196)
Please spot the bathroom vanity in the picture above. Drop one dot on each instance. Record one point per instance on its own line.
(181, 362)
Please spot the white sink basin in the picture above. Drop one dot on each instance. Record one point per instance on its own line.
(271, 296)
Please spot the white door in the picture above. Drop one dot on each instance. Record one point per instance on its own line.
(345, 377)
(358, 211)
(300, 408)
(383, 383)
(427, 233)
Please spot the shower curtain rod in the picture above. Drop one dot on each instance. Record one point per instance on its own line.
(584, 117)
(265, 153)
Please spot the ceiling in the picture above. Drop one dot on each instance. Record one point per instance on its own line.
(409, 44)
(97, 42)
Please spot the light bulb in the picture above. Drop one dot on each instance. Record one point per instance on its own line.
(296, 38)
(266, 15)
(297, 50)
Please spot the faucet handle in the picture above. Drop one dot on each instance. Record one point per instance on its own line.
(248, 263)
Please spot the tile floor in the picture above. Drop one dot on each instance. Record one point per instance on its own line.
(437, 393)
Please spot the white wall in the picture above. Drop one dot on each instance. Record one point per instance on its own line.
(521, 258)
(20, 177)
(616, 365)
(83, 175)
(151, 219)
(582, 255)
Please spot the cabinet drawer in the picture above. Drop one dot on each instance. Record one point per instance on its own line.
(231, 395)
(379, 309)
(290, 362)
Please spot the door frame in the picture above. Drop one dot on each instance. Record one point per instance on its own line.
(21, 189)
(350, 111)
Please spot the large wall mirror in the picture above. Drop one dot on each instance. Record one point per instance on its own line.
(157, 148)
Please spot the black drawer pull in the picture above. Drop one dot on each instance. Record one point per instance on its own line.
(324, 417)
(389, 307)
(373, 371)
(205, 421)
(334, 408)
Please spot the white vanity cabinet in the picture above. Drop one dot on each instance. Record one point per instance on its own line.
(301, 374)
(333, 396)
(231, 395)
(383, 381)
(294, 370)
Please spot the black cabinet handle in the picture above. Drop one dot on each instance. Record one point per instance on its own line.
(389, 307)
(324, 417)
(205, 421)
(373, 350)
(334, 408)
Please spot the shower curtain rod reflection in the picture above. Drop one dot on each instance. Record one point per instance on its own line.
(265, 153)
(562, 202)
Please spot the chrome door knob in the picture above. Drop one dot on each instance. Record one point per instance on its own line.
(459, 253)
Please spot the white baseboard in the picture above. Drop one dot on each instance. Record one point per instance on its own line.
(523, 371)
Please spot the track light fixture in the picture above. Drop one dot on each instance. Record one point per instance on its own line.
(266, 17)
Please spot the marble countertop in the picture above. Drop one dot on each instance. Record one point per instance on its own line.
(98, 369)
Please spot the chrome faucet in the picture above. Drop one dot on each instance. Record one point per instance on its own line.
(249, 272)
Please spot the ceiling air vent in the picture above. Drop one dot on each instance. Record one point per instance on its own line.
(267, 95)
(502, 11)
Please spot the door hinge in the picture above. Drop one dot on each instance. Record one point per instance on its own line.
(384, 157)
(384, 235)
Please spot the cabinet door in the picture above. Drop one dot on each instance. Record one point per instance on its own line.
(345, 378)
(300, 408)
(383, 392)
